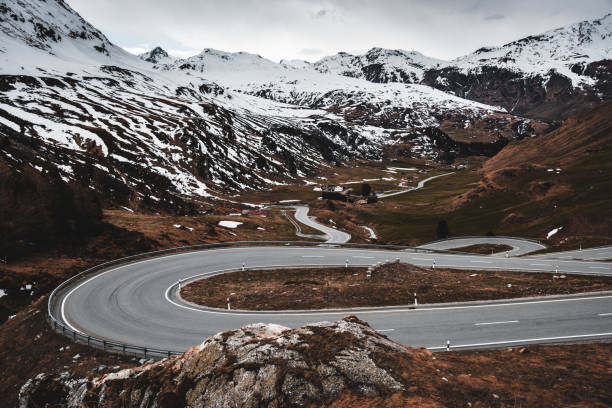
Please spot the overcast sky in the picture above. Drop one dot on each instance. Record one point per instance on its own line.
(308, 30)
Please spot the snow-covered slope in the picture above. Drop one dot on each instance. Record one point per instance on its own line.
(379, 65)
(157, 56)
(382, 106)
(549, 75)
(77, 104)
(160, 131)
(560, 50)
(52, 36)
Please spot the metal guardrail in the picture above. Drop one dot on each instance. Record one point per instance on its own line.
(110, 346)
(131, 349)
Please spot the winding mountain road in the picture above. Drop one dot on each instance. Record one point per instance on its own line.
(590, 254)
(419, 186)
(519, 246)
(139, 303)
(331, 235)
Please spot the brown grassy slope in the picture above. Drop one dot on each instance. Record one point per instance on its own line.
(28, 347)
(204, 228)
(391, 284)
(576, 194)
(39, 211)
(243, 373)
(515, 194)
(578, 137)
(536, 376)
(484, 248)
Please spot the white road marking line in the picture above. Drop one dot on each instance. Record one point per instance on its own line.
(364, 257)
(489, 323)
(422, 259)
(495, 343)
(481, 261)
(385, 330)
(598, 267)
(540, 265)
(63, 302)
(312, 256)
(604, 314)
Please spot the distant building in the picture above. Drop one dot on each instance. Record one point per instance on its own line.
(254, 212)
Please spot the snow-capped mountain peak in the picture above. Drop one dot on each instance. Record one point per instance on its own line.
(158, 130)
(215, 60)
(296, 64)
(559, 49)
(379, 65)
(156, 56)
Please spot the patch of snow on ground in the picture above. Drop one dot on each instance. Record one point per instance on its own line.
(371, 231)
(182, 226)
(553, 232)
(229, 224)
(2, 293)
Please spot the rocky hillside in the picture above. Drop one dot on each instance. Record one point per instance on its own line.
(551, 75)
(341, 364)
(257, 365)
(156, 132)
(160, 132)
(578, 138)
(561, 180)
(74, 103)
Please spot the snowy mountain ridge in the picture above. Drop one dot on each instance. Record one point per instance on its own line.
(74, 104)
(163, 132)
(559, 49)
(157, 56)
(548, 75)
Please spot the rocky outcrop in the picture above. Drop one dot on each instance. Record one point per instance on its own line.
(550, 97)
(156, 55)
(550, 76)
(257, 365)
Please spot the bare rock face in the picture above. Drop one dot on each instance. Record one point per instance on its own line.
(257, 365)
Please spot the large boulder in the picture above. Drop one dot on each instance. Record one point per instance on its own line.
(257, 365)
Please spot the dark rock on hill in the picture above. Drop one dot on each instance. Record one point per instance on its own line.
(549, 98)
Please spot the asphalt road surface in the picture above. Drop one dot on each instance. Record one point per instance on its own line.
(138, 304)
(298, 228)
(520, 246)
(331, 235)
(590, 254)
(419, 186)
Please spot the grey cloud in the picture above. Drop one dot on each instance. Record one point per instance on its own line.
(311, 51)
(321, 13)
(495, 17)
(294, 29)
